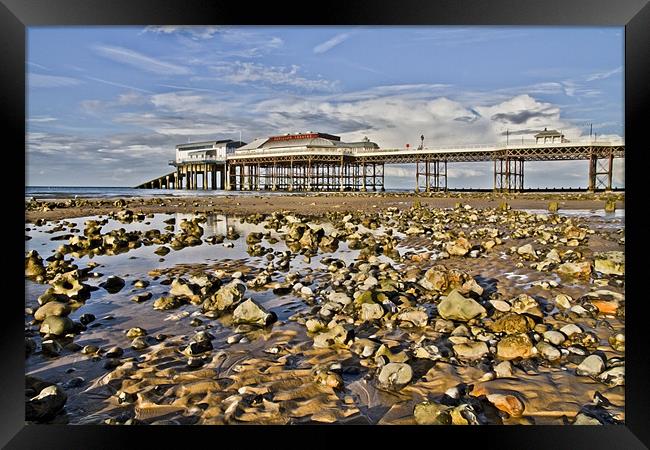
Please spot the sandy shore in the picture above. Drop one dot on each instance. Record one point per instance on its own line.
(312, 204)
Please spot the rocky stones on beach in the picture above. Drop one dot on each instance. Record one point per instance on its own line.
(610, 263)
(56, 325)
(250, 312)
(52, 308)
(43, 400)
(113, 284)
(512, 323)
(395, 375)
(459, 247)
(457, 307)
(170, 302)
(515, 346)
(428, 413)
(592, 366)
(226, 298)
(471, 350)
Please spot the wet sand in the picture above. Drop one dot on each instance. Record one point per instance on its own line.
(277, 373)
(314, 204)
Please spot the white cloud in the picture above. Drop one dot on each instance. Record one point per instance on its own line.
(41, 119)
(112, 83)
(331, 43)
(603, 75)
(253, 73)
(140, 61)
(196, 32)
(37, 80)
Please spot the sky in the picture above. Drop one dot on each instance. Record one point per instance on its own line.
(107, 105)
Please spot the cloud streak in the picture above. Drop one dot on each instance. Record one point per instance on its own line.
(37, 80)
(331, 43)
(140, 61)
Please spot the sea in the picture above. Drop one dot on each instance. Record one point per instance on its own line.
(49, 192)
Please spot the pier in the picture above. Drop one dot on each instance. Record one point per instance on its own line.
(321, 162)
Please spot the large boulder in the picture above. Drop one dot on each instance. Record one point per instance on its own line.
(515, 346)
(56, 325)
(427, 413)
(47, 404)
(34, 265)
(459, 247)
(226, 298)
(512, 323)
(249, 312)
(471, 350)
(575, 269)
(610, 263)
(395, 375)
(53, 308)
(457, 307)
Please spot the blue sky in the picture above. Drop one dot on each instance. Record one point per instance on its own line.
(107, 105)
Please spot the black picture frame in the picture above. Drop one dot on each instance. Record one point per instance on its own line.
(634, 15)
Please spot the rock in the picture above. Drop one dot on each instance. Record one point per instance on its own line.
(337, 334)
(162, 251)
(56, 325)
(414, 317)
(507, 403)
(610, 263)
(167, 303)
(613, 377)
(114, 352)
(198, 347)
(554, 337)
(512, 323)
(86, 318)
(459, 247)
(471, 350)
(339, 297)
(548, 351)
(617, 342)
(113, 284)
(250, 312)
(457, 307)
(527, 251)
(68, 284)
(500, 305)
(135, 332)
(563, 301)
(525, 304)
(142, 342)
(53, 308)
(431, 414)
(514, 346)
(606, 307)
(181, 288)
(435, 279)
(315, 325)
(503, 369)
(370, 311)
(90, 350)
(591, 366)
(395, 375)
(575, 270)
(141, 284)
(34, 265)
(139, 298)
(226, 298)
(570, 329)
(47, 404)
(51, 347)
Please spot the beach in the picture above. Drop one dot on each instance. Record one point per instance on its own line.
(348, 308)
